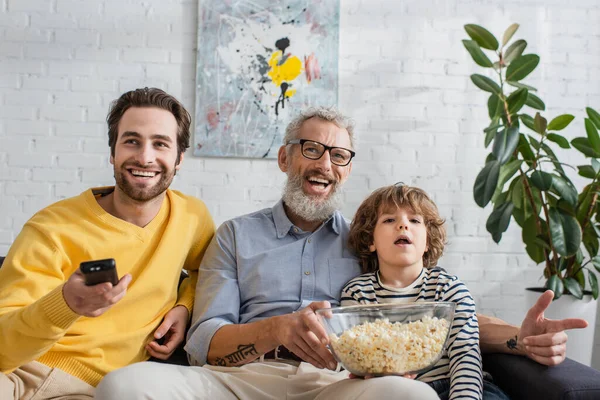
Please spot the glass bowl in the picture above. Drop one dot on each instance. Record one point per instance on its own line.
(388, 339)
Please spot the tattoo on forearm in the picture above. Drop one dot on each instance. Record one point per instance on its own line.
(512, 343)
(243, 352)
(220, 362)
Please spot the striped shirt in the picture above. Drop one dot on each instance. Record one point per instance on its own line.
(462, 360)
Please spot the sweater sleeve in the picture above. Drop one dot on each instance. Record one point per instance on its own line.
(187, 289)
(33, 311)
(466, 377)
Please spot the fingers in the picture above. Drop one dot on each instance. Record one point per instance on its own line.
(311, 321)
(158, 351)
(563, 324)
(546, 339)
(542, 303)
(163, 328)
(550, 361)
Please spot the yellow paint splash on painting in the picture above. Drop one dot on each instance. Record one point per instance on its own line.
(286, 72)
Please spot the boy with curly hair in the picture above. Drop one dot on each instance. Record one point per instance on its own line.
(398, 237)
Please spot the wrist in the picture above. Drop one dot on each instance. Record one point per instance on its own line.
(515, 343)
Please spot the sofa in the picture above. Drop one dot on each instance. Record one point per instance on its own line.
(519, 377)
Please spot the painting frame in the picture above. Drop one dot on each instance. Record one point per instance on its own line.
(259, 63)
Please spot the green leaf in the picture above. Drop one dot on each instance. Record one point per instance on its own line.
(535, 102)
(565, 232)
(540, 124)
(590, 241)
(528, 121)
(596, 263)
(561, 122)
(485, 83)
(505, 144)
(592, 135)
(525, 149)
(495, 106)
(534, 143)
(485, 183)
(555, 284)
(586, 171)
(559, 140)
(594, 116)
(532, 245)
(477, 54)
(580, 278)
(564, 189)
(516, 100)
(514, 51)
(583, 145)
(553, 158)
(508, 33)
(489, 136)
(573, 287)
(498, 221)
(593, 284)
(595, 165)
(508, 170)
(522, 85)
(482, 36)
(541, 180)
(521, 67)
(584, 203)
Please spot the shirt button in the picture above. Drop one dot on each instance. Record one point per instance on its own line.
(306, 272)
(308, 240)
(296, 230)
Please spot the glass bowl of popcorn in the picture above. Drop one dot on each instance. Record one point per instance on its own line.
(388, 339)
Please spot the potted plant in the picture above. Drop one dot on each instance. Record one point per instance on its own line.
(526, 181)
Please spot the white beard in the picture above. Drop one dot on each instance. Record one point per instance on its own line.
(305, 206)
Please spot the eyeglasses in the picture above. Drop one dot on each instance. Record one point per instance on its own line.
(315, 150)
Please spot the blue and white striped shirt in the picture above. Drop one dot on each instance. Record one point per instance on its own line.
(462, 362)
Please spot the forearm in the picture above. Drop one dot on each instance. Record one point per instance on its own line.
(497, 336)
(238, 344)
(29, 332)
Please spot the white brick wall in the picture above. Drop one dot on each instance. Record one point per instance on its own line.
(403, 77)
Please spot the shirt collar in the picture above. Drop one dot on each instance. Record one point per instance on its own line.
(283, 225)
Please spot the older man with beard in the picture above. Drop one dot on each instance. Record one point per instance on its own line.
(255, 334)
(59, 337)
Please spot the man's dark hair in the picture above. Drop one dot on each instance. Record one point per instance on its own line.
(149, 97)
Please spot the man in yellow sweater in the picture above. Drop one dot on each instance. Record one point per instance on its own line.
(59, 337)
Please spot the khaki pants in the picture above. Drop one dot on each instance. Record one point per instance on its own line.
(254, 381)
(36, 381)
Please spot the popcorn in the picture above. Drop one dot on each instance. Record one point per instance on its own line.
(382, 347)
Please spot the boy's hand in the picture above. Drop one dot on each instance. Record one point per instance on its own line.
(92, 301)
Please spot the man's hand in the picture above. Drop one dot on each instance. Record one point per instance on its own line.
(92, 301)
(173, 330)
(544, 339)
(303, 334)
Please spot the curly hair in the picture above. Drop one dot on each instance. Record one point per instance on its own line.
(149, 97)
(395, 196)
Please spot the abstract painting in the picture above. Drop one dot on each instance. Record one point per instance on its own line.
(259, 63)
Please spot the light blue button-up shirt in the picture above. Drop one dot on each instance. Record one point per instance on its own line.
(260, 265)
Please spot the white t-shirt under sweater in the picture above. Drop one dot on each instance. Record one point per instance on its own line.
(462, 361)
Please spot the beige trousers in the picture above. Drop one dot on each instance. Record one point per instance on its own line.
(255, 381)
(36, 381)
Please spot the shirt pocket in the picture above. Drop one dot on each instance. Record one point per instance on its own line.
(341, 270)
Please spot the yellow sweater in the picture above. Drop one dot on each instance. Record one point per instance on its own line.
(37, 324)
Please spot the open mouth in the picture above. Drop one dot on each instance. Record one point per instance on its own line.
(138, 173)
(318, 182)
(403, 240)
